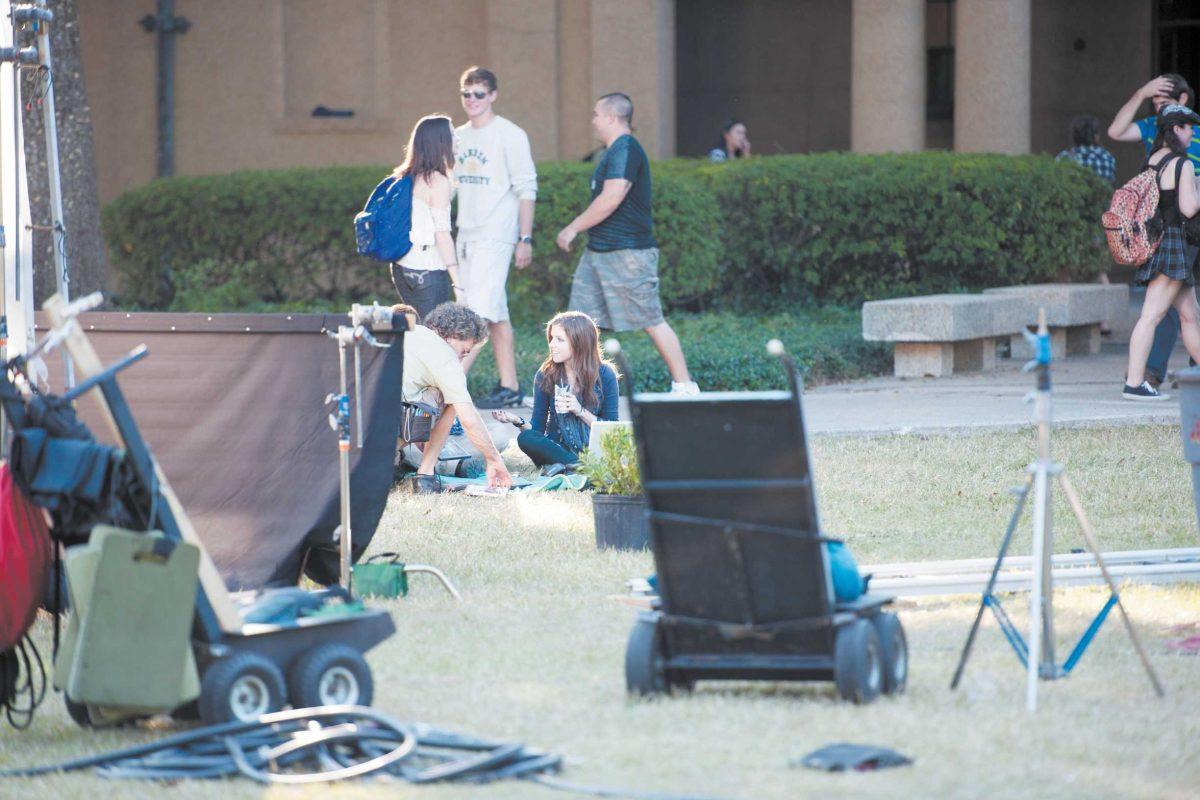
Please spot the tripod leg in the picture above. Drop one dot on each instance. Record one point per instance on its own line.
(1041, 512)
(1090, 537)
(991, 584)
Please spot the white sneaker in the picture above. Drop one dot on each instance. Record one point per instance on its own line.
(687, 388)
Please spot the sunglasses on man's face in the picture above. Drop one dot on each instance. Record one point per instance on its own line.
(477, 95)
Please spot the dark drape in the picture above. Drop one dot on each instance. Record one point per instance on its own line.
(233, 407)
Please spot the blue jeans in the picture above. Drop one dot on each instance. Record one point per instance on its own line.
(1164, 342)
(543, 450)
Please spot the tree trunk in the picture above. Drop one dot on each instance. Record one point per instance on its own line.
(81, 199)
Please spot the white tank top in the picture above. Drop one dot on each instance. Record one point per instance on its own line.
(426, 222)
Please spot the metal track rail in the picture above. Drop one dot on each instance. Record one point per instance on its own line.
(970, 576)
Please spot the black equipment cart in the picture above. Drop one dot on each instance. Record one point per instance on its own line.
(253, 657)
(745, 590)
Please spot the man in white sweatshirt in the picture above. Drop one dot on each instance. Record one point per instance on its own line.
(497, 187)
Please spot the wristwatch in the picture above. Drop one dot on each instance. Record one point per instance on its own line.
(525, 240)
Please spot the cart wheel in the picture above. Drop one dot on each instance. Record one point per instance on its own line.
(243, 686)
(78, 712)
(893, 649)
(330, 675)
(858, 663)
(644, 672)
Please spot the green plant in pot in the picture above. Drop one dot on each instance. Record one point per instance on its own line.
(618, 506)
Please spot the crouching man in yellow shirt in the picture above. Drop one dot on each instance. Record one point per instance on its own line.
(433, 374)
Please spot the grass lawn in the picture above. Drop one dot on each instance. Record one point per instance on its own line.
(534, 652)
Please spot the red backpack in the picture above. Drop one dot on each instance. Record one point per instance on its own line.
(1132, 206)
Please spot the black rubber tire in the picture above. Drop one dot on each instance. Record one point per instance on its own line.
(858, 662)
(644, 671)
(78, 712)
(233, 685)
(893, 646)
(306, 674)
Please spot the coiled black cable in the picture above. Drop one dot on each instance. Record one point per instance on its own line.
(319, 745)
(22, 683)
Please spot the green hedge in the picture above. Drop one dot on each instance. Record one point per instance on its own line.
(843, 227)
(727, 351)
(759, 234)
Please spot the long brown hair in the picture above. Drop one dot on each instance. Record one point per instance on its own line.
(584, 338)
(430, 148)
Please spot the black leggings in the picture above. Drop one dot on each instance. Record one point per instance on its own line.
(423, 289)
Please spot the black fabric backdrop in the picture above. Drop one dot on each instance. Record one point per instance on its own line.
(233, 407)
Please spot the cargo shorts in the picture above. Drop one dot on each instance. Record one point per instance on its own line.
(618, 289)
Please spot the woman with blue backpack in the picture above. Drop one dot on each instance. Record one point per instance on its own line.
(428, 272)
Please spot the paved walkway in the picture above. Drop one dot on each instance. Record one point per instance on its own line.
(1087, 391)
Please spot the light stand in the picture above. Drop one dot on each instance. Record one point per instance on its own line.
(1037, 655)
(363, 319)
(29, 25)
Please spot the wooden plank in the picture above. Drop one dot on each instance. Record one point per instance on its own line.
(87, 365)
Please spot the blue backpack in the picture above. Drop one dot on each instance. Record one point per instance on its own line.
(383, 228)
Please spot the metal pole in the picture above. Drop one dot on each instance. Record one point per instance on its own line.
(166, 26)
(1036, 618)
(1045, 511)
(58, 228)
(344, 459)
(358, 391)
(1041, 588)
(166, 88)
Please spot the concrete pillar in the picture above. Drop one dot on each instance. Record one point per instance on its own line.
(887, 78)
(633, 51)
(992, 54)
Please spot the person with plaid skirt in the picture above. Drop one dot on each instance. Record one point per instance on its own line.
(1170, 274)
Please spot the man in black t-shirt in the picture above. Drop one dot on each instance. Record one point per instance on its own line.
(616, 282)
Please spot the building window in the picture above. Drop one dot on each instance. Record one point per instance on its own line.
(939, 71)
(1177, 37)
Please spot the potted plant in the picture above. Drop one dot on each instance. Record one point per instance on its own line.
(618, 506)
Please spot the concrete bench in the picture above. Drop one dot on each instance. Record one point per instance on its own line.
(940, 334)
(1074, 312)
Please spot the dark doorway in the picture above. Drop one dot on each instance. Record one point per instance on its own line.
(782, 67)
(1177, 38)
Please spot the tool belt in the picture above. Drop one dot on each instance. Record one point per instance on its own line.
(417, 420)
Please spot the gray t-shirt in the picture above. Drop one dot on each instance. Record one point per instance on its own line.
(631, 226)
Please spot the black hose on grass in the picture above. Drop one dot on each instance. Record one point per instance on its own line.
(329, 743)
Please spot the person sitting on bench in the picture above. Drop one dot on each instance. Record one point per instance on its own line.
(574, 387)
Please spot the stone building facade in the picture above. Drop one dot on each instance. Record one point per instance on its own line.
(252, 76)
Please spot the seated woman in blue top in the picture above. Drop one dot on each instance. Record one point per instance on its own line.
(573, 388)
